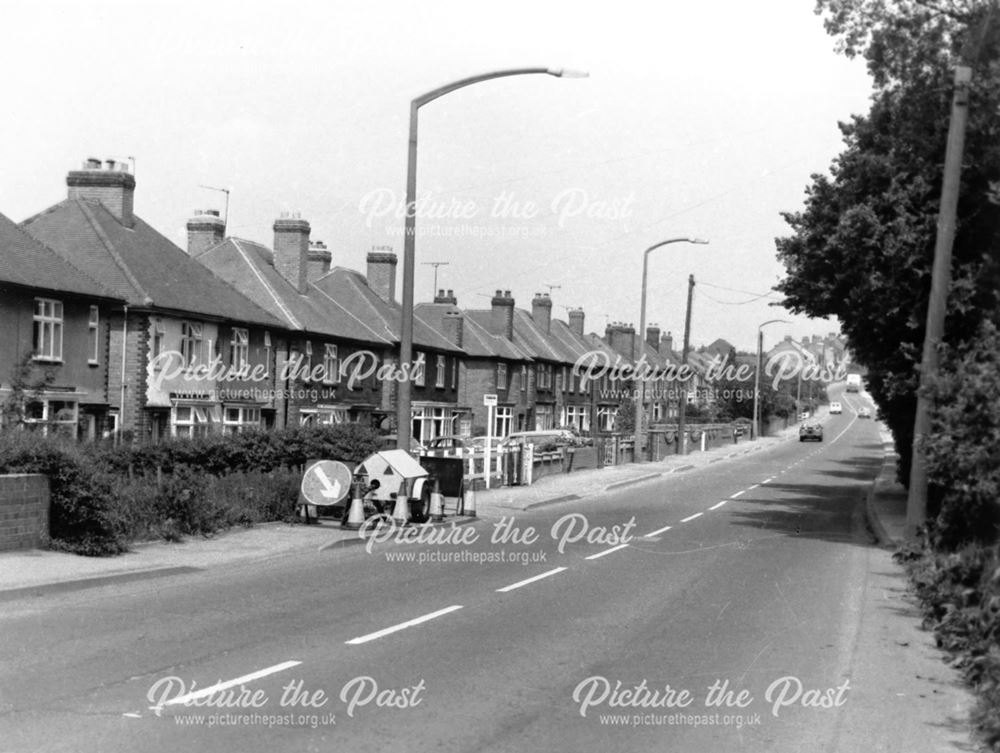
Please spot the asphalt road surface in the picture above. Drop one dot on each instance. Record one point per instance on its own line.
(714, 610)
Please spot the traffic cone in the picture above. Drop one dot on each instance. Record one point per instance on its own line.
(469, 504)
(437, 503)
(401, 511)
(356, 516)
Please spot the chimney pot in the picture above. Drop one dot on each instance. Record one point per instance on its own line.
(204, 231)
(291, 249)
(113, 188)
(382, 272)
(502, 316)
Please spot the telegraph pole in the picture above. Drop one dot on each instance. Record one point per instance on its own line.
(682, 406)
(916, 503)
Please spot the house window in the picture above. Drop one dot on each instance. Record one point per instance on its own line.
(239, 348)
(322, 416)
(267, 353)
(237, 419)
(192, 344)
(439, 375)
(543, 417)
(504, 421)
(308, 363)
(58, 415)
(156, 342)
(418, 370)
(48, 329)
(454, 373)
(524, 378)
(331, 365)
(578, 416)
(567, 379)
(560, 380)
(501, 376)
(192, 420)
(606, 418)
(93, 341)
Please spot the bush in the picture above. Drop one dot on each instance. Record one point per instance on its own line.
(960, 596)
(963, 448)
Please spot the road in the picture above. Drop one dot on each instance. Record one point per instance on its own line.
(726, 622)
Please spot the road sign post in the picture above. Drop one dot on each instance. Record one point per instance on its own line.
(490, 401)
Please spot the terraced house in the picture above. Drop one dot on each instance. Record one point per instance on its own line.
(180, 330)
(54, 324)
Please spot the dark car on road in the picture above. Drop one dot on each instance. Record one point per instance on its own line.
(812, 432)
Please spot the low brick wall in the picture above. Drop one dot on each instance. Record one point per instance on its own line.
(24, 511)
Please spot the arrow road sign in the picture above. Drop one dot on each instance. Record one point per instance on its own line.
(326, 482)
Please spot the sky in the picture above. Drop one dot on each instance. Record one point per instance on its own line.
(697, 120)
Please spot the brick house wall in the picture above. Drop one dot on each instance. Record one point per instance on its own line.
(24, 511)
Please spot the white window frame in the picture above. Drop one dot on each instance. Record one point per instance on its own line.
(439, 374)
(198, 423)
(94, 335)
(454, 373)
(47, 330)
(156, 342)
(50, 416)
(504, 421)
(239, 348)
(419, 370)
(267, 354)
(246, 417)
(331, 364)
(192, 343)
(524, 377)
(501, 377)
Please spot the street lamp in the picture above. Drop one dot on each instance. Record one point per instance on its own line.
(403, 417)
(640, 398)
(756, 384)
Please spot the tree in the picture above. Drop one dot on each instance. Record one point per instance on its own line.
(862, 247)
(27, 381)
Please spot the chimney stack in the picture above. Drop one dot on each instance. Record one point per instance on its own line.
(576, 317)
(319, 259)
(291, 249)
(446, 297)
(453, 326)
(206, 229)
(382, 272)
(114, 187)
(502, 319)
(541, 311)
(621, 338)
(667, 343)
(653, 336)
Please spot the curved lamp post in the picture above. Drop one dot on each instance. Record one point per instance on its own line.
(640, 397)
(756, 381)
(403, 418)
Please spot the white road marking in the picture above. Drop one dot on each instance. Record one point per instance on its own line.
(401, 626)
(606, 552)
(692, 517)
(520, 583)
(767, 480)
(738, 494)
(218, 687)
(658, 530)
(750, 488)
(133, 715)
(717, 506)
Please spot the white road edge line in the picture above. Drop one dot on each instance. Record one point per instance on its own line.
(749, 488)
(605, 552)
(717, 506)
(658, 530)
(196, 694)
(767, 480)
(692, 517)
(520, 583)
(401, 626)
(738, 494)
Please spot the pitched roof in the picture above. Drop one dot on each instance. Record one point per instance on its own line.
(350, 289)
(720, 347)
(26, 261)
(476, 339)
(139, 264)
(249, 267)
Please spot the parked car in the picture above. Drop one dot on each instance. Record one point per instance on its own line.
(549, 437)
(448, 442)
(836, 408)
(811, 432)
(864, 412)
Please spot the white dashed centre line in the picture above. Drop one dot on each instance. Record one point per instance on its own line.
(401, 626)
(738, 494)
(525, 582)
(219, 687)
(767, 480)
(657, 531)
(606, 552)
(751, 488)
(718, 505)
(692, 517)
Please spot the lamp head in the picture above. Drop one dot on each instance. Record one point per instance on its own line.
(567, 73)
